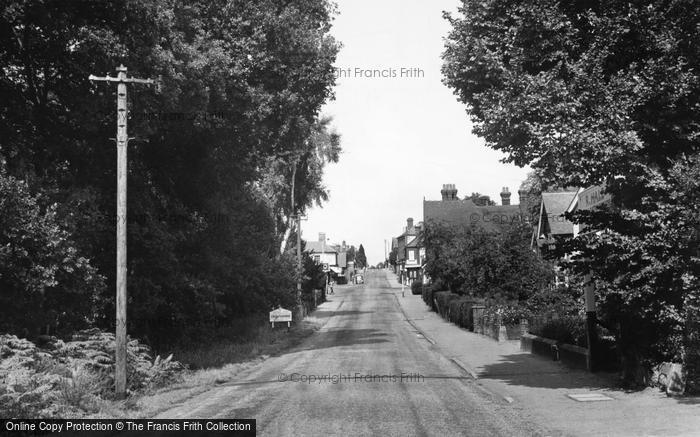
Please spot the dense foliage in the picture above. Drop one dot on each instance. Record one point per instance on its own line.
(360, 258)
(44, 281)
(601, 92)
(473, 261)
(73, 378)
(240, 89)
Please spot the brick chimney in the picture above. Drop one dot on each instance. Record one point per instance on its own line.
(522, 198)
(409, 224)
(505, 196)
(321, 236)
(449, 192)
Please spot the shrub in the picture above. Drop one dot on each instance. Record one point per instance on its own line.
(569, 329)
(443, 299)
(417, 287)
(509, 314)
(66, 378)
(429, 294)
(562, 300)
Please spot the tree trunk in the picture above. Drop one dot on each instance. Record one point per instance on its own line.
(286, 235)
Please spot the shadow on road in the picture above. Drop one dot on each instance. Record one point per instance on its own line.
(326, 313)
(342, 337)
(530, 371)
(297, 376)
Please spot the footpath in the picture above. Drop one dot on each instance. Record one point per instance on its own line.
(542, 388)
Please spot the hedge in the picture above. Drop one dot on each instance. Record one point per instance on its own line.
(568, 329)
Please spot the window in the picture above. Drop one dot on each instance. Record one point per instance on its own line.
(411, 255)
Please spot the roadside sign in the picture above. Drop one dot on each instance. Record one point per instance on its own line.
(592, 197)
(280, 315)
(326, 267)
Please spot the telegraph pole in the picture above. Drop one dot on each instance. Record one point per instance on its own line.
(299, 263)
(298, 224)
(122, 141)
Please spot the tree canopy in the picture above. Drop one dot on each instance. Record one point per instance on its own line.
(473, 261)
(360, 258)
(241, 85)
(600, 92)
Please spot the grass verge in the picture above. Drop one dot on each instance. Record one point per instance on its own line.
(228, 352)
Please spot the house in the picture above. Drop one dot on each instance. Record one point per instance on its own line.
(408, 260)
(415, 259)
(451, 210)
(323, 252)
(552, 225)
(476, 211)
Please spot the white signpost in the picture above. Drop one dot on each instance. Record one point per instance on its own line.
(280, 315)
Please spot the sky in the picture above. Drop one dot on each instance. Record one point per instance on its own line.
(403, 132)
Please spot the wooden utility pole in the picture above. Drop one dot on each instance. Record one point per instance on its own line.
(122, 141)
(297, 218)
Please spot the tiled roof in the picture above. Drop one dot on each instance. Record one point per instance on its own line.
(317, 247)
(555, 204)
(416, 242)
(467, 213)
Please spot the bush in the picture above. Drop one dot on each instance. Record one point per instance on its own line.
(569, 329)
(510, 314)
(563, 300)
(428, 295)
(443, 299)
(67, 379)
(417, 287)
(473, 260)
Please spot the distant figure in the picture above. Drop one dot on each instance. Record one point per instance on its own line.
(330, 284)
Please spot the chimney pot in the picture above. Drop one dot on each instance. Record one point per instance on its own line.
(321, 236)
(505, 196)
(449, 192)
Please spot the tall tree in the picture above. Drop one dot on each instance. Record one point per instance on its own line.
(600, 92)
(361, 258)
(241, 83)
(301, 171)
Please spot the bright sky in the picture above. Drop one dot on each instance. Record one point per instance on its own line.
(402, 137)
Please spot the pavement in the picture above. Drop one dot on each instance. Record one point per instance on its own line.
(367, 371)
(540, 389)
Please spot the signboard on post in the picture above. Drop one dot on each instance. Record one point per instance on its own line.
(592, 197)
(280, 315)
(326, 267)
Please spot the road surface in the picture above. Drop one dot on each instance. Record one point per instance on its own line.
(367, 371)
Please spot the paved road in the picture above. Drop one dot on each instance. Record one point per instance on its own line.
(363, 349)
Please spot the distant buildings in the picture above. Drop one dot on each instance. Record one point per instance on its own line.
(323, 252)
(451, 210)
(410, 253)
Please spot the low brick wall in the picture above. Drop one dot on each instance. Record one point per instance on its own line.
(571, 355)
(574, 356)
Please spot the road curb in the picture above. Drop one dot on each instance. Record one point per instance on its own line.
(465, 368)
(410, 322)
(475, 377)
